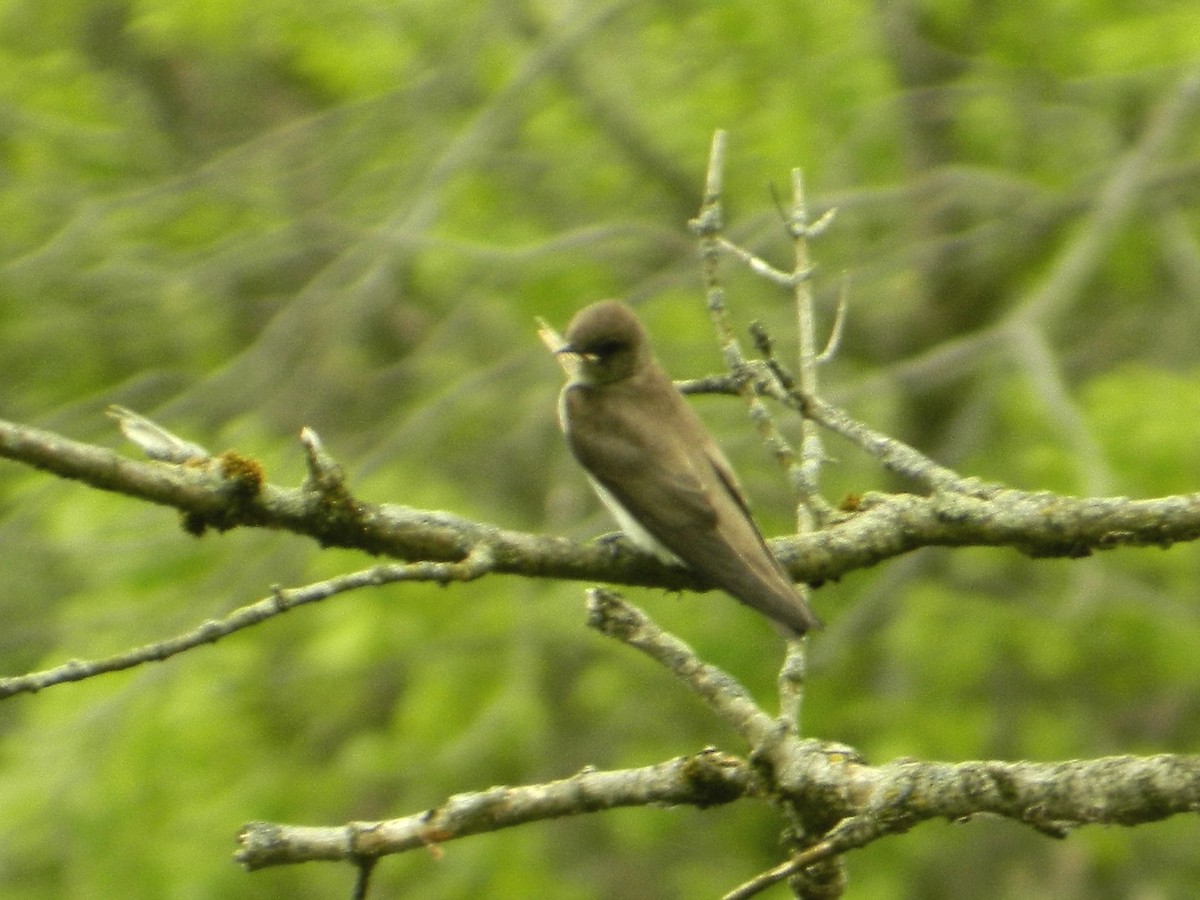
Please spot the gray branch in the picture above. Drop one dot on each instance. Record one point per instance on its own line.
(866, 802)
(230, 490)
(851, 803)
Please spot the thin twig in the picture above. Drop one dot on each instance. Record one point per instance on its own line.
(280, 601)
(812, 509)
(610, 614)
(893, 454)
(756, 264)
(839, 322)
(708, 226)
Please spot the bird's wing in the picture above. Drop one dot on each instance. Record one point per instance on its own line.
(676, 484)
(687, 497)
(647, 474)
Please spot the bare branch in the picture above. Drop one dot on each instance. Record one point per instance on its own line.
(834, 341)
(812, 509)
(756, 264)
(771, 379)
(228, 491)
(708, 228)
(280, 601)
(611, 615)
(893, 454)
(866, 803)
(705, 779)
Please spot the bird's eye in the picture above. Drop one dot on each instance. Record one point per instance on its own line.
(606, 348)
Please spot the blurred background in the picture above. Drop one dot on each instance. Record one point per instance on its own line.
(241, 218)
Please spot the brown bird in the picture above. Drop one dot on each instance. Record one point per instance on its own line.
(658, 470)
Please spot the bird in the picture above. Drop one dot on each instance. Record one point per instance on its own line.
(657, 469)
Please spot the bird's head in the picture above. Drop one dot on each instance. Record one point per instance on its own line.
(608, 340)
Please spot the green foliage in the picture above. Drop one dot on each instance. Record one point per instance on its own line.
(242, 218)
(1148, 421)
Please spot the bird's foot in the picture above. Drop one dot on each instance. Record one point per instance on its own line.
(616, 542)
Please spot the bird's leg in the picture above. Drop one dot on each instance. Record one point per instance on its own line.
(617, 542)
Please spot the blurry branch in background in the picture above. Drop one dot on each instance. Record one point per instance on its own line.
(830, 799)
(1048, 300)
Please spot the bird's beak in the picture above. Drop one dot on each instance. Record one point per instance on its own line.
(575, 351)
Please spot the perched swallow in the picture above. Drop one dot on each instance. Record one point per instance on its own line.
(658, 470)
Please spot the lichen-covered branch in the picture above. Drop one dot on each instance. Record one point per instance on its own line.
(279, 601)
(704, 779)
(866, 802)
(230, 490)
